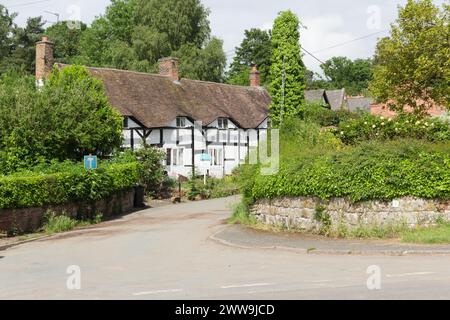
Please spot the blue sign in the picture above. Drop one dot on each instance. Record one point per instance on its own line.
(90, 162)
(205, 157)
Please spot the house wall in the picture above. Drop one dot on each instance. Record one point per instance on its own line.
(231, 145)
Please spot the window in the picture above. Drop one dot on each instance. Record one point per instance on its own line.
(223, 123)
(168, 157)
(177, 158)
(181, 122)
(216, 157)
(125, 122)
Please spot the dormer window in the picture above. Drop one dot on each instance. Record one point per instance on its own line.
(181, 122)
(222, 123)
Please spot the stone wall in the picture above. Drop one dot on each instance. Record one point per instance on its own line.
(19, 221)
(311, 214)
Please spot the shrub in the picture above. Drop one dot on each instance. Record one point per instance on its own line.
(151, 170)
(325, 117)
(370, 171)
(370, 127)
(58, 223)
(72, 183)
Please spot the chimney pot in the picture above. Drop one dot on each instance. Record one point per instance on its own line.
(168, 67)
(255, 76)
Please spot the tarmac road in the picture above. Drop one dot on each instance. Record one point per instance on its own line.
(168, 253)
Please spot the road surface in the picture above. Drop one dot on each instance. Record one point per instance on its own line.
(167, 253)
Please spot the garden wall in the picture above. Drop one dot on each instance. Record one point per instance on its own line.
(25, 220)
(311, 214)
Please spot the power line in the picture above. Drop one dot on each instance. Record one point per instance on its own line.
(351, 41)
(24, 4)
(309, 53)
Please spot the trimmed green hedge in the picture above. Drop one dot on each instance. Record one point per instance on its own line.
(370, 171)
(72, 183)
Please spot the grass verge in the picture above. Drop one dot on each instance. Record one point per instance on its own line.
(62, 223)
(439, 234)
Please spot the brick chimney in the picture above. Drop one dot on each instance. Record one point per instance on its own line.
(255, 77)
(168, 67)
(44, 59)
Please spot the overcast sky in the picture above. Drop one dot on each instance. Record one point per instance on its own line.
(331, 26)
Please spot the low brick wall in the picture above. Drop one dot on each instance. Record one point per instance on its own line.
(19, 221)
(310, 214)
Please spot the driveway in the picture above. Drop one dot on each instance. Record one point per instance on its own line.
(168, 253)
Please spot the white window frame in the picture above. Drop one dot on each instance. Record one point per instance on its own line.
(217, 156)
(177, 157)
(181, 122)
(223, 123)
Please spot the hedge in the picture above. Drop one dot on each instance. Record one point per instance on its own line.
(370, 171)
(32, 189)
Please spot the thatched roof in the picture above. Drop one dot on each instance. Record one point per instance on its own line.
(155, 100)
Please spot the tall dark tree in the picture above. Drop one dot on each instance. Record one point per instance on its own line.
(23, 54)
(7, 27)
(255, 48)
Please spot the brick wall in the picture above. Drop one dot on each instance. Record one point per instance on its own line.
(31, 219)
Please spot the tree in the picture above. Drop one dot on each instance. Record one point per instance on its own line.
(254, 49)
(135, 34)
(287, 71)
(67, 118)
(354, 76)
(66, 39)
(6, 29)
(23, 54)
(413, 64)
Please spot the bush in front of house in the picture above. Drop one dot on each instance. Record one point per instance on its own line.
(325, 117)
(371, 127)
(64, 183)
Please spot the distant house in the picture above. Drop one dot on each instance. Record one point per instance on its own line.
(355, 104)
(185, 118)
(383, 109)
(333, 99)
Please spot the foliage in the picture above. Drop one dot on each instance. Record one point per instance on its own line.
(214, 188)
(325, 117)
(287, 72)
(58, 223)
(66, 37)
(134, 34)
(354, 76)
(62, 223)
(65, 183)
(439, 234)
(370, 127)
(413, 64)
(241, 215)
(66, 119)
(313, 164)
(17, 48)
(151, 170)
(254, 49)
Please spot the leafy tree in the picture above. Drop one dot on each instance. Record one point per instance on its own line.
(354, 76)
(66, 40)
(67, 118)
(413, 64)
(135, 34)
(287, 72)
(255, 48)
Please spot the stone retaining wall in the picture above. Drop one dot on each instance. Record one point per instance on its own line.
(19, 221)
(311, 214)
